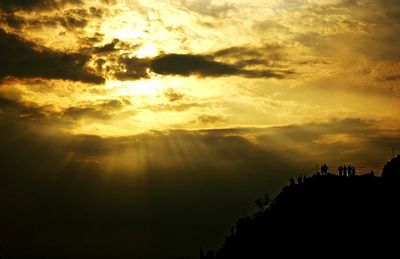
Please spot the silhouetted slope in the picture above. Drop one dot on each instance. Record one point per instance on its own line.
(392, 169)
(325, 216)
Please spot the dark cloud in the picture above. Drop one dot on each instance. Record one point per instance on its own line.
(96, 12)
(15, 110)
(109, 2)
(115, 51)
(94, 39)
(234, 61)
(283, 74)
(239, 60)
(12, 20)
(71, 19)
(268, 60)
(86, 112)
(208, 119)
(70, 22)
(268, 52)
(29, 5)
(132, 68)
(173, 96)
(24, 59)
(19, 111)
(100, 63)
(77, 18)
(101, 111)
(107, 48)
(205, 66)
(390, 78)
(185, 65)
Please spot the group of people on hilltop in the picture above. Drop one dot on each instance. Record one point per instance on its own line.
(324, 169)
(347, 171)
(343, 170)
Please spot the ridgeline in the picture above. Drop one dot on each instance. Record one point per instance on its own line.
(323, 216)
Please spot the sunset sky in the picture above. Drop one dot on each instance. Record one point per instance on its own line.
(150, 123)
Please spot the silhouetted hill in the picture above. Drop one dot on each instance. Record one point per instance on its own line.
(323, 216)
(392, 169)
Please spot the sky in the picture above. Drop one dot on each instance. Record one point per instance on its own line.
(140, 129)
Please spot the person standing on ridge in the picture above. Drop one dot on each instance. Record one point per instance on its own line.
(340, 169)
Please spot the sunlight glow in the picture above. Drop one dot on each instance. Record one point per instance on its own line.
(149, 87)
(127, 33)
(148, 50)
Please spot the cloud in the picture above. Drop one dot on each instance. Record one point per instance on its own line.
(208, 7)
(173, 96)
(86, 112)
(25, 59)
(107, 48)
(270, 51)
(133, 68)
(187, 65)
(176, 64)
(12, 20)
(29, 5)
(71, 18)
(266, 61)
(15, 110)
(71, 22)
(205, 66)
(208, 120)
(174, 106)
(101, 111)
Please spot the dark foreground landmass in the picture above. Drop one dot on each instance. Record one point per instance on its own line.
(323, 216)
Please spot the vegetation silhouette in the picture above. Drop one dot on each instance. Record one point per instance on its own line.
(323, 216)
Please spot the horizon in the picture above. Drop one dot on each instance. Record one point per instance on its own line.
(122, 121)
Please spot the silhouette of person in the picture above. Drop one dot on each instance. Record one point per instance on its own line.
(353, 171)
(344, 171)
(340, 169)
(292, 182)
(299, 180)
(372, 174)
(349, 170)
(324, 169)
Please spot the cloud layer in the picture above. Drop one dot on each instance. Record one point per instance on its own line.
(24, 59)
(28, 5)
